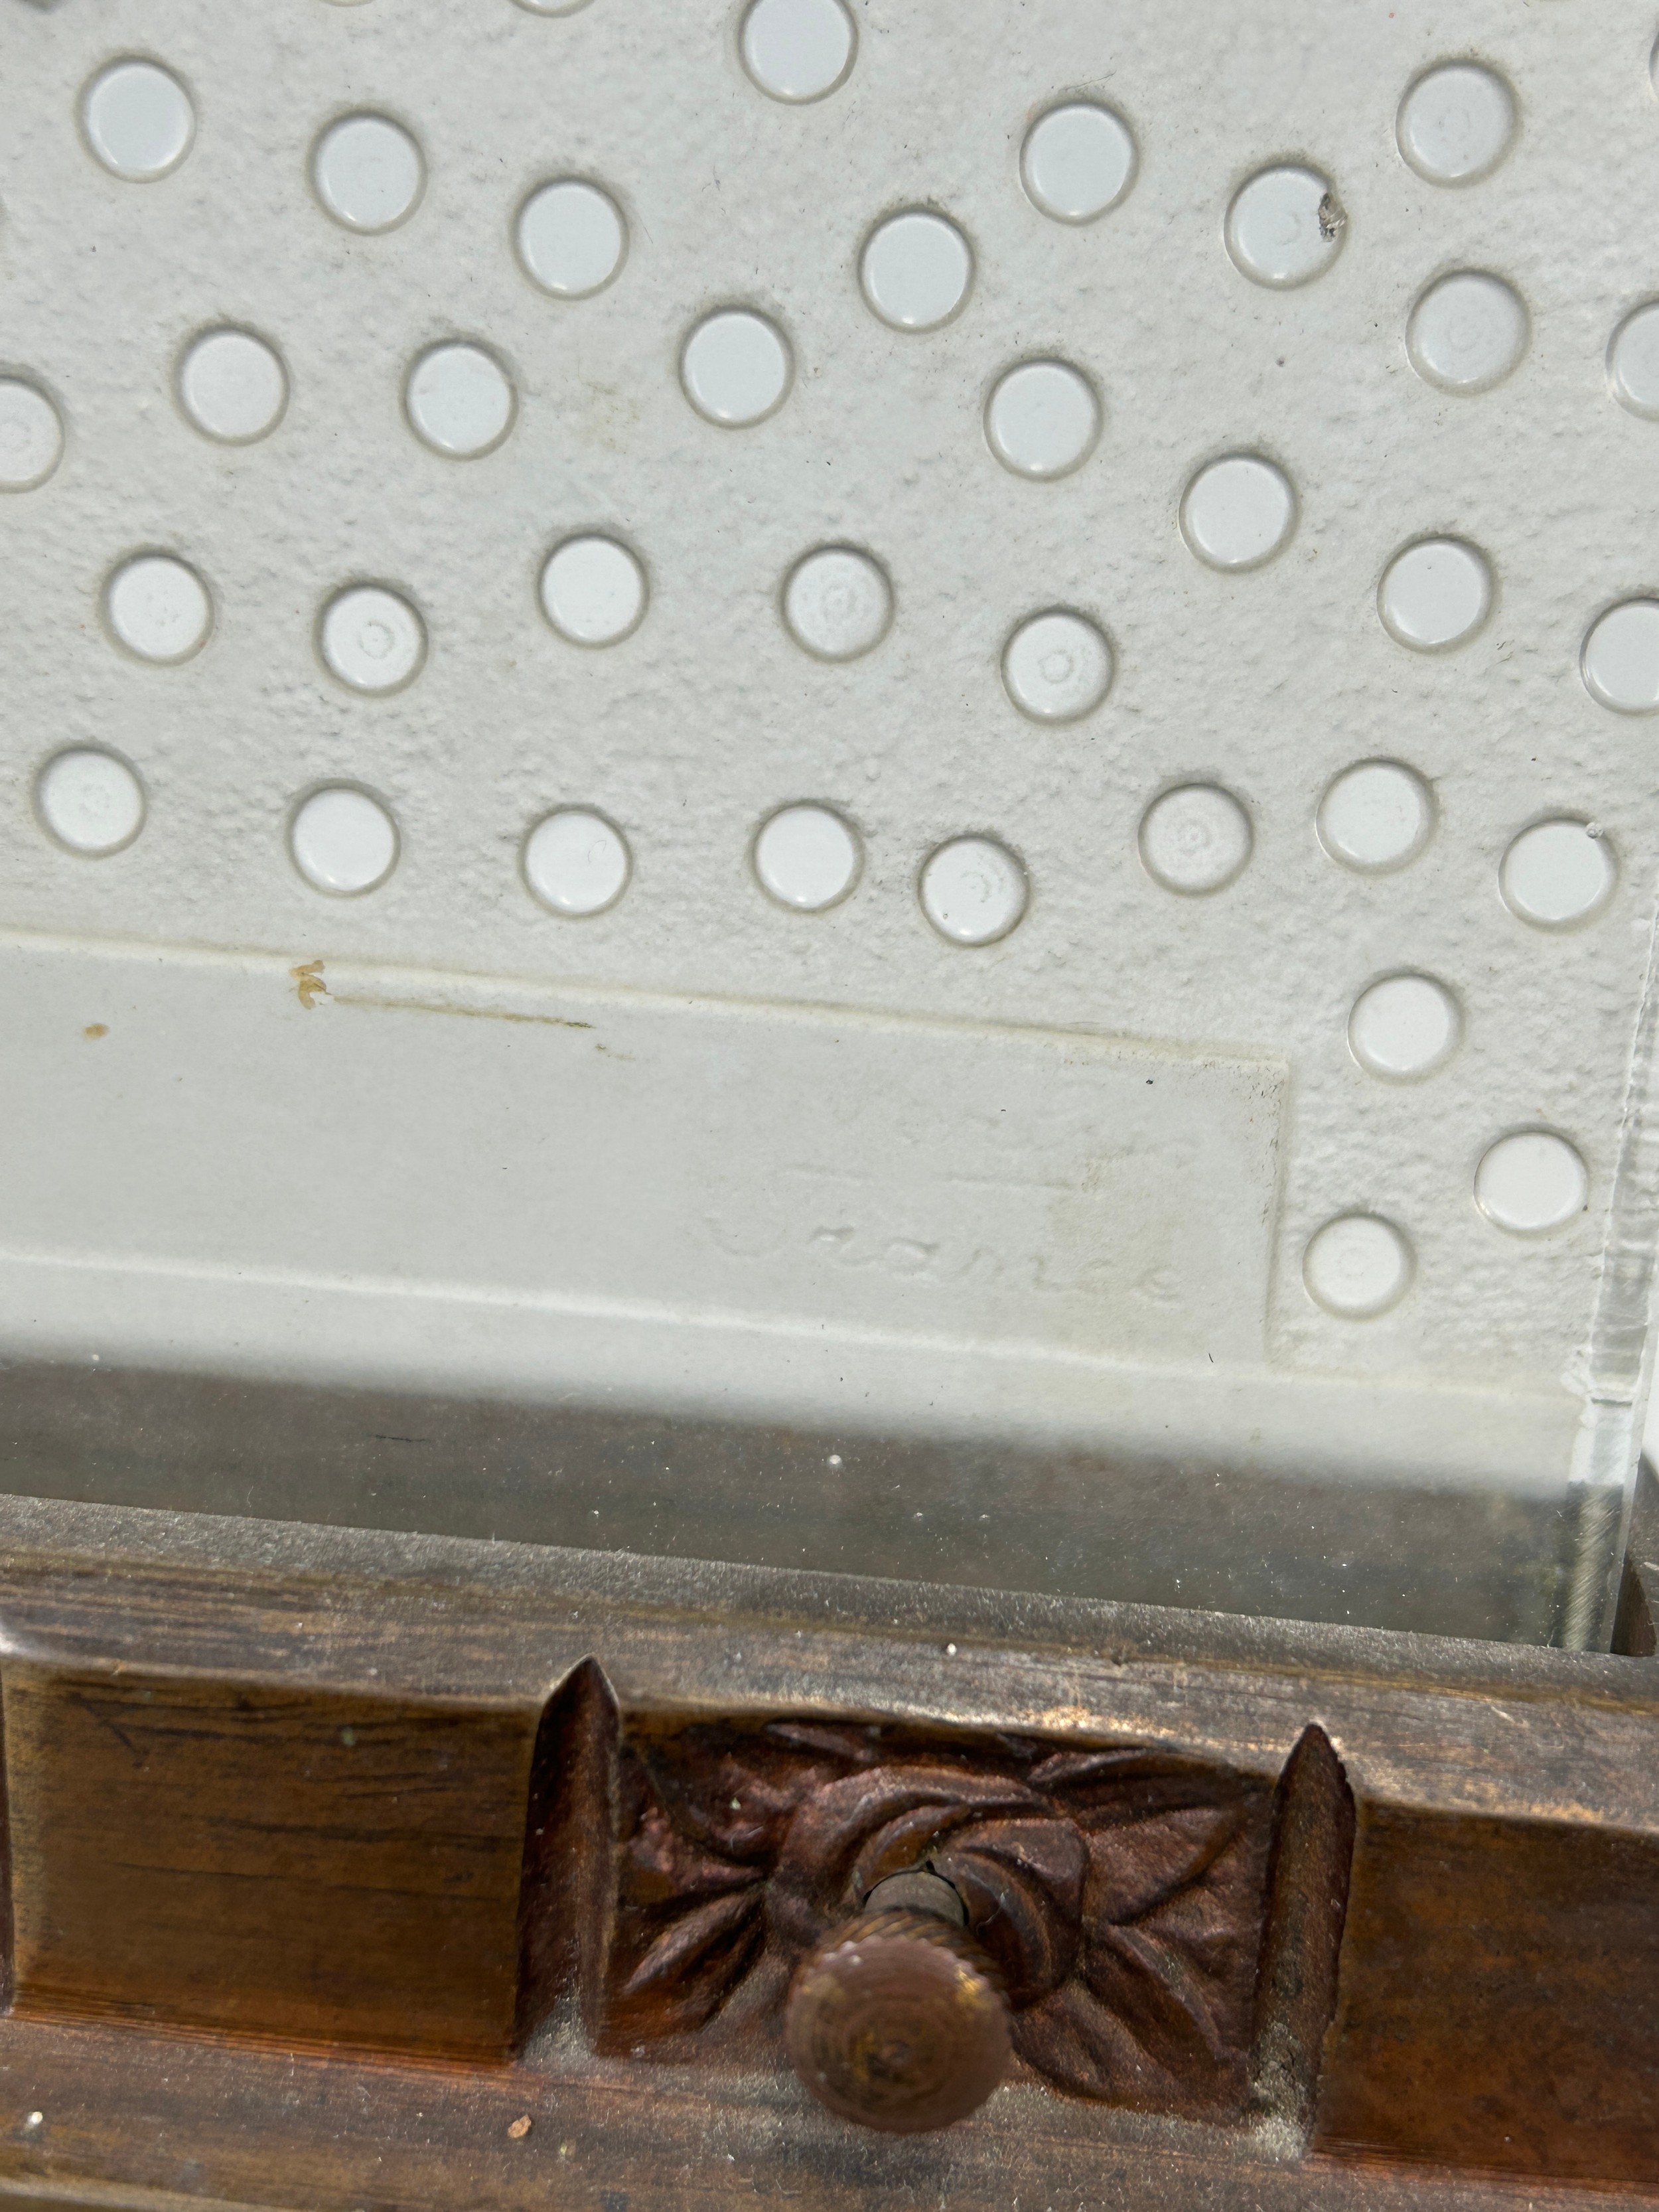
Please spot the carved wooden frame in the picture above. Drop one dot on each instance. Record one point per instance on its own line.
(334, 1858)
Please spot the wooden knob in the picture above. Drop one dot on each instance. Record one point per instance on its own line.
(898, 2021)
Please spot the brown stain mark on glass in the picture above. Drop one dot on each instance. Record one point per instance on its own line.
(308, 976)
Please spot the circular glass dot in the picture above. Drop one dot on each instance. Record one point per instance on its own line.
(808, 858)
(1531, 1182)
(1357, 1266)
(158, 608)
(90, 801)
(1238, 512)
(797, 49)
(31, 435)
(1043, 419)
(571, 238)
(576, 862)
(1375, 816)
(1558, 873)
(973, 890)
(735, 367)
(343, 841)
(592, 590)
(233, 386)
(915, 271)
(1467, 332)
(138, 120)
(1404, 1027)
(1435, 594)
(460, 400)
(1284, 227)
(838, 603)
(1457, 123)
(1620, 657)
(1196, 840)
(368, 172)
(1077, 161)
(371, 639)
(1057, 668)
(1633, 362)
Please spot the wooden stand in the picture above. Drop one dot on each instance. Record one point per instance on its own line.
(352, 1869)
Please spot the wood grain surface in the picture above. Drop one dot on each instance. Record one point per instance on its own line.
(317, 1867)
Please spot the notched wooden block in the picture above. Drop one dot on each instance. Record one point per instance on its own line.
(1500, 2003)
(310, 1866)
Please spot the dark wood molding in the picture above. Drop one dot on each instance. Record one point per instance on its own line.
(334, 1855)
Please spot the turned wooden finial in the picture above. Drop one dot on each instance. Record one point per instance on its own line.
(897, 2020)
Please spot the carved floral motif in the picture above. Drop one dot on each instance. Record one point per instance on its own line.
(1120, 1894)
